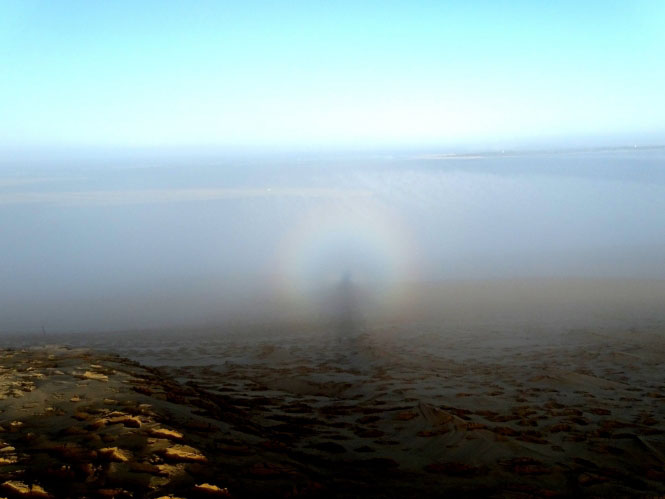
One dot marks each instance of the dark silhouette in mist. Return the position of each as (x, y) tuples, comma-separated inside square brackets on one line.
[(345, 308), (352, 345)]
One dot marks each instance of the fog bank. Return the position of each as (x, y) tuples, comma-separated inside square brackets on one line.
[(175, 243)]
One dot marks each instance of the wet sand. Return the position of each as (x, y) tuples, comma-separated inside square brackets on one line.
[(381, 413)]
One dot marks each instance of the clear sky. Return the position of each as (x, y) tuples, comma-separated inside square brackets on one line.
[(246, 73)]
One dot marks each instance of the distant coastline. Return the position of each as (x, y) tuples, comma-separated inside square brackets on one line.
[(534, 152)]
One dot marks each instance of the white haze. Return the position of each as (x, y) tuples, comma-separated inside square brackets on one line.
[(129, 242)]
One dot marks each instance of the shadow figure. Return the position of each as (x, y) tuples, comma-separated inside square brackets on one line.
[(346, 309), (351, 341)]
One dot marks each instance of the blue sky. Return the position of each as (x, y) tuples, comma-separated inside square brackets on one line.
[(328, 73)]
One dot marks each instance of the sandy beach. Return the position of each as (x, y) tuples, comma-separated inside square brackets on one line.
[(381, 413)]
